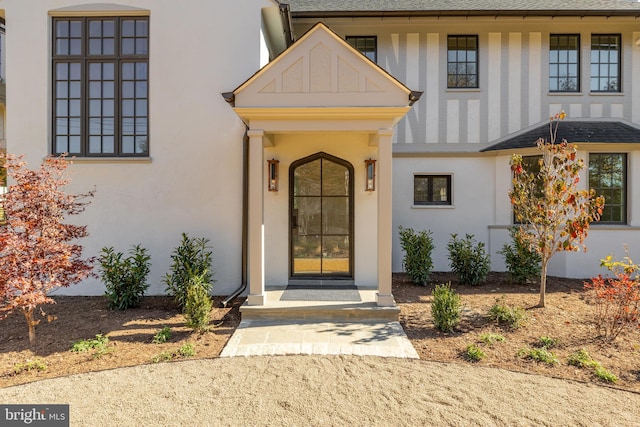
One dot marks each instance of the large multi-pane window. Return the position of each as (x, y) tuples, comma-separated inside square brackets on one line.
[(100, 86), (462, 61), (564, 63), (608, 176), (432, 189), (605, 63), (367, 45)]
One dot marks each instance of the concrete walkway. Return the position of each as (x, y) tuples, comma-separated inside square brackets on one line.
[(260, 337)]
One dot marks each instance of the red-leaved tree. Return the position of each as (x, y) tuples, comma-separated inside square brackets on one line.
[(554, 214), (38, 250)]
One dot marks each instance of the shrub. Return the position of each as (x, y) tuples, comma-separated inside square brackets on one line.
[(198, 304), (124, 278), (187, 350), (538, 355), (523, 262), (32, 365), (501, 313), (490, 338), (162, 336), (582, 359), (469, 260), (191, 259), (165, 356), (474, 353), (417, 247), (99, 344), (616, 300), (446, 308), (548, 342)]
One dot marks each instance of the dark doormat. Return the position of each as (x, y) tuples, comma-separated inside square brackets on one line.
[(294, 293)]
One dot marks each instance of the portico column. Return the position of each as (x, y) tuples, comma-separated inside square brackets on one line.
[(256, 223), (385, 232)]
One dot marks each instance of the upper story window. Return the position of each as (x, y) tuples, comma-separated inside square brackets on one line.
[(432, 189), (367, 45), (564, 63), (605, 63), (462, 61), (608, 176), (100, 86)]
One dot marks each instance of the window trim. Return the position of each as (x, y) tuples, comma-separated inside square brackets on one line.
[(625, 185), (431, 204), (477, 62), (85, 58), (578, 64), (619, 77)]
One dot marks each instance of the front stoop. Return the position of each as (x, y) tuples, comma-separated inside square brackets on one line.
[(363, 311)]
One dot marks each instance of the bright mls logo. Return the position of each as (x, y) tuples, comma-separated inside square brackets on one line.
[(34, 415)]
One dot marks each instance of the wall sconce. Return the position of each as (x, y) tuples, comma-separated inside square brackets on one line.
[(370, 170), (273, 174)]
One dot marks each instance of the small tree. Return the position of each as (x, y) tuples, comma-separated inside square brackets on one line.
[(554, 213), (38, 252)]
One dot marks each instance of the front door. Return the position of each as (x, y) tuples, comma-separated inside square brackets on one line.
[(321, 217)]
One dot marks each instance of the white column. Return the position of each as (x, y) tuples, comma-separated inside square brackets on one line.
[(256, 223), (385, 232)]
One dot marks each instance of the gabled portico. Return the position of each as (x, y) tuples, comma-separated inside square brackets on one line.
[(318, 116)]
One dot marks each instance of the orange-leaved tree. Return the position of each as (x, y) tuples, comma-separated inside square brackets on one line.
[(554, 214), (39, 252)]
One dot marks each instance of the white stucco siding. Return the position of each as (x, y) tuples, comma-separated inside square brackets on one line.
[(352, 147), (473, 194), (193, 181)]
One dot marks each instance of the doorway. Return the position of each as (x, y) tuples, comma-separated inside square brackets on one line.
[(321, 218)]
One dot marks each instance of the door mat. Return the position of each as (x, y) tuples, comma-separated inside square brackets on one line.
[(305, 294)]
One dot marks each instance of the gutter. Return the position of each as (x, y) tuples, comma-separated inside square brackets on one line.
[(245, 218), (462, 13)]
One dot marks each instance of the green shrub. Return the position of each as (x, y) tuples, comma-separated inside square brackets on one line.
[(474, 353), (32, 365), (191, 259), (490, 338), (187, 350), (469, 260), (446, 307), (582, 359), (538, 355), (165, 356), (502, 314), (124, 278), (417, 247), (198, 304), (523, 263), (99, 342), (162, 336), (548, 342)]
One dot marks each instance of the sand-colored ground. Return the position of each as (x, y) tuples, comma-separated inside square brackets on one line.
[(327, 391)]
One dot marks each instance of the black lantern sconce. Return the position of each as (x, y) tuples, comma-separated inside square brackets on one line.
[(370, 170), (273, 174)]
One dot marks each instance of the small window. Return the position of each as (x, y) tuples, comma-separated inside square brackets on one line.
[(564, 63), (462, 62), (367, 45), (432, 190), (605, 63), (608, 176)]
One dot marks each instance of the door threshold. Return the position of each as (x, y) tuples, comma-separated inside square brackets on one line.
[(322, 284)]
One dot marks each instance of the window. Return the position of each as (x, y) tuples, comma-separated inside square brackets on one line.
[(564, 63), (605, 63), (100, 86), (462, 61), (608, 176), (367, 45), (432, 190)]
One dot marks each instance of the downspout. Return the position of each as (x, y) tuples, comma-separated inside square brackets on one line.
[(245, 206), (285, 15)]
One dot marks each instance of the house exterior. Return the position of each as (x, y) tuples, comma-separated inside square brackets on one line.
[(298, 137)]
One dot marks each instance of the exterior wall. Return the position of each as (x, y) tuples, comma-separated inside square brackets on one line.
[(192, 181), (513, 75), (352, 147)]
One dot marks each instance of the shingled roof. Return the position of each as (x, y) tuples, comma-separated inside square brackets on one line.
[(574, 132), (350, 8)]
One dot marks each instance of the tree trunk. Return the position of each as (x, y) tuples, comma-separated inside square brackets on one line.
[(543, 283), (28, 314)]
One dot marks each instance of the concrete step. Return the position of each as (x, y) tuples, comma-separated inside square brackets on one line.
[(360, 312)]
